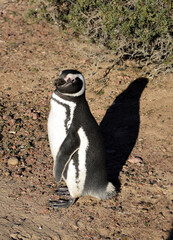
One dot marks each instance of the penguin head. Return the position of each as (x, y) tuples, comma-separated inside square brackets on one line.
[(70, 83)]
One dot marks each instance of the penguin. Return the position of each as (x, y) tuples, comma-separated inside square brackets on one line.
[(76, 143)]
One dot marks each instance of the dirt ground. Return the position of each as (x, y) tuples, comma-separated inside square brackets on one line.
[(135, 116)]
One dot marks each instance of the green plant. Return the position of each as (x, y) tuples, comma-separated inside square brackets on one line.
[(140, 29)]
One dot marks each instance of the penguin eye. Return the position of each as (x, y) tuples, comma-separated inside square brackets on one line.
[(69, 80)]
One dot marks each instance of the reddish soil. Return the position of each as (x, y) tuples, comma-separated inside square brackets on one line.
[(136, 121)]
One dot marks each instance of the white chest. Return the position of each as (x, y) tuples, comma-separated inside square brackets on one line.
[(59, 121)]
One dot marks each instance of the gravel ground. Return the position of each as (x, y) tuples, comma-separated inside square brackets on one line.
[(135, 116)]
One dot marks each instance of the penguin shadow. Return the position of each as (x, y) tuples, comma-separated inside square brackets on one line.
[(170, 235), (120, 128)]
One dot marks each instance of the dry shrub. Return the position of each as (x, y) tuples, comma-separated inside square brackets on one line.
[(140, 29)]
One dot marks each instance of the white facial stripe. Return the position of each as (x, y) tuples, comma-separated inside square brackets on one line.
[(73, 76), (59, 99), (71, 104)]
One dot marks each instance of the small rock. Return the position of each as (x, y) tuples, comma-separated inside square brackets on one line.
[(124, 237), (28, 168), (89, 219), (7, 173), (5, 117), (135, 160), (12, 132), (13, 161), (11, 122), (103, 231), (74, 226), (35, 115), (145, 210), (45, 210), (80, 224), (13, 236)]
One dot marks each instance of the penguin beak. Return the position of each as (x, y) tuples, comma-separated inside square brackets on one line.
[(59, 82)]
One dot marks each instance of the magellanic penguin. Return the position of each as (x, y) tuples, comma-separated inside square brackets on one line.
[(76, 142)]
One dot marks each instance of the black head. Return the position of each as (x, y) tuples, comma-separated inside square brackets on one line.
[(70, 83)]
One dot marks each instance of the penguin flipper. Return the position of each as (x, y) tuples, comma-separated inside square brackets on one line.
[(67, 149)]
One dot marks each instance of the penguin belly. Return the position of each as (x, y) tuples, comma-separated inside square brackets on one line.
[(56, 127), (77, 171)]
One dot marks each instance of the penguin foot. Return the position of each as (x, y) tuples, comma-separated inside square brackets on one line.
[(62, 191), (62, 203)]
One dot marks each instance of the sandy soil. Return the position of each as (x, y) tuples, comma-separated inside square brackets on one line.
[(136, 120)]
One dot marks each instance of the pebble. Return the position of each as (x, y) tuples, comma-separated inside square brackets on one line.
[(35, 116), (28, 168), (12, 132), (7, 173), (135, 160), (74, 226), (45, 210), (80, 224), (145, 210), (13, 236), (123, 237), (13, 161), (11, 122)]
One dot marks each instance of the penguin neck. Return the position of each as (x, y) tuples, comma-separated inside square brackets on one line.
[(69, 98)]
